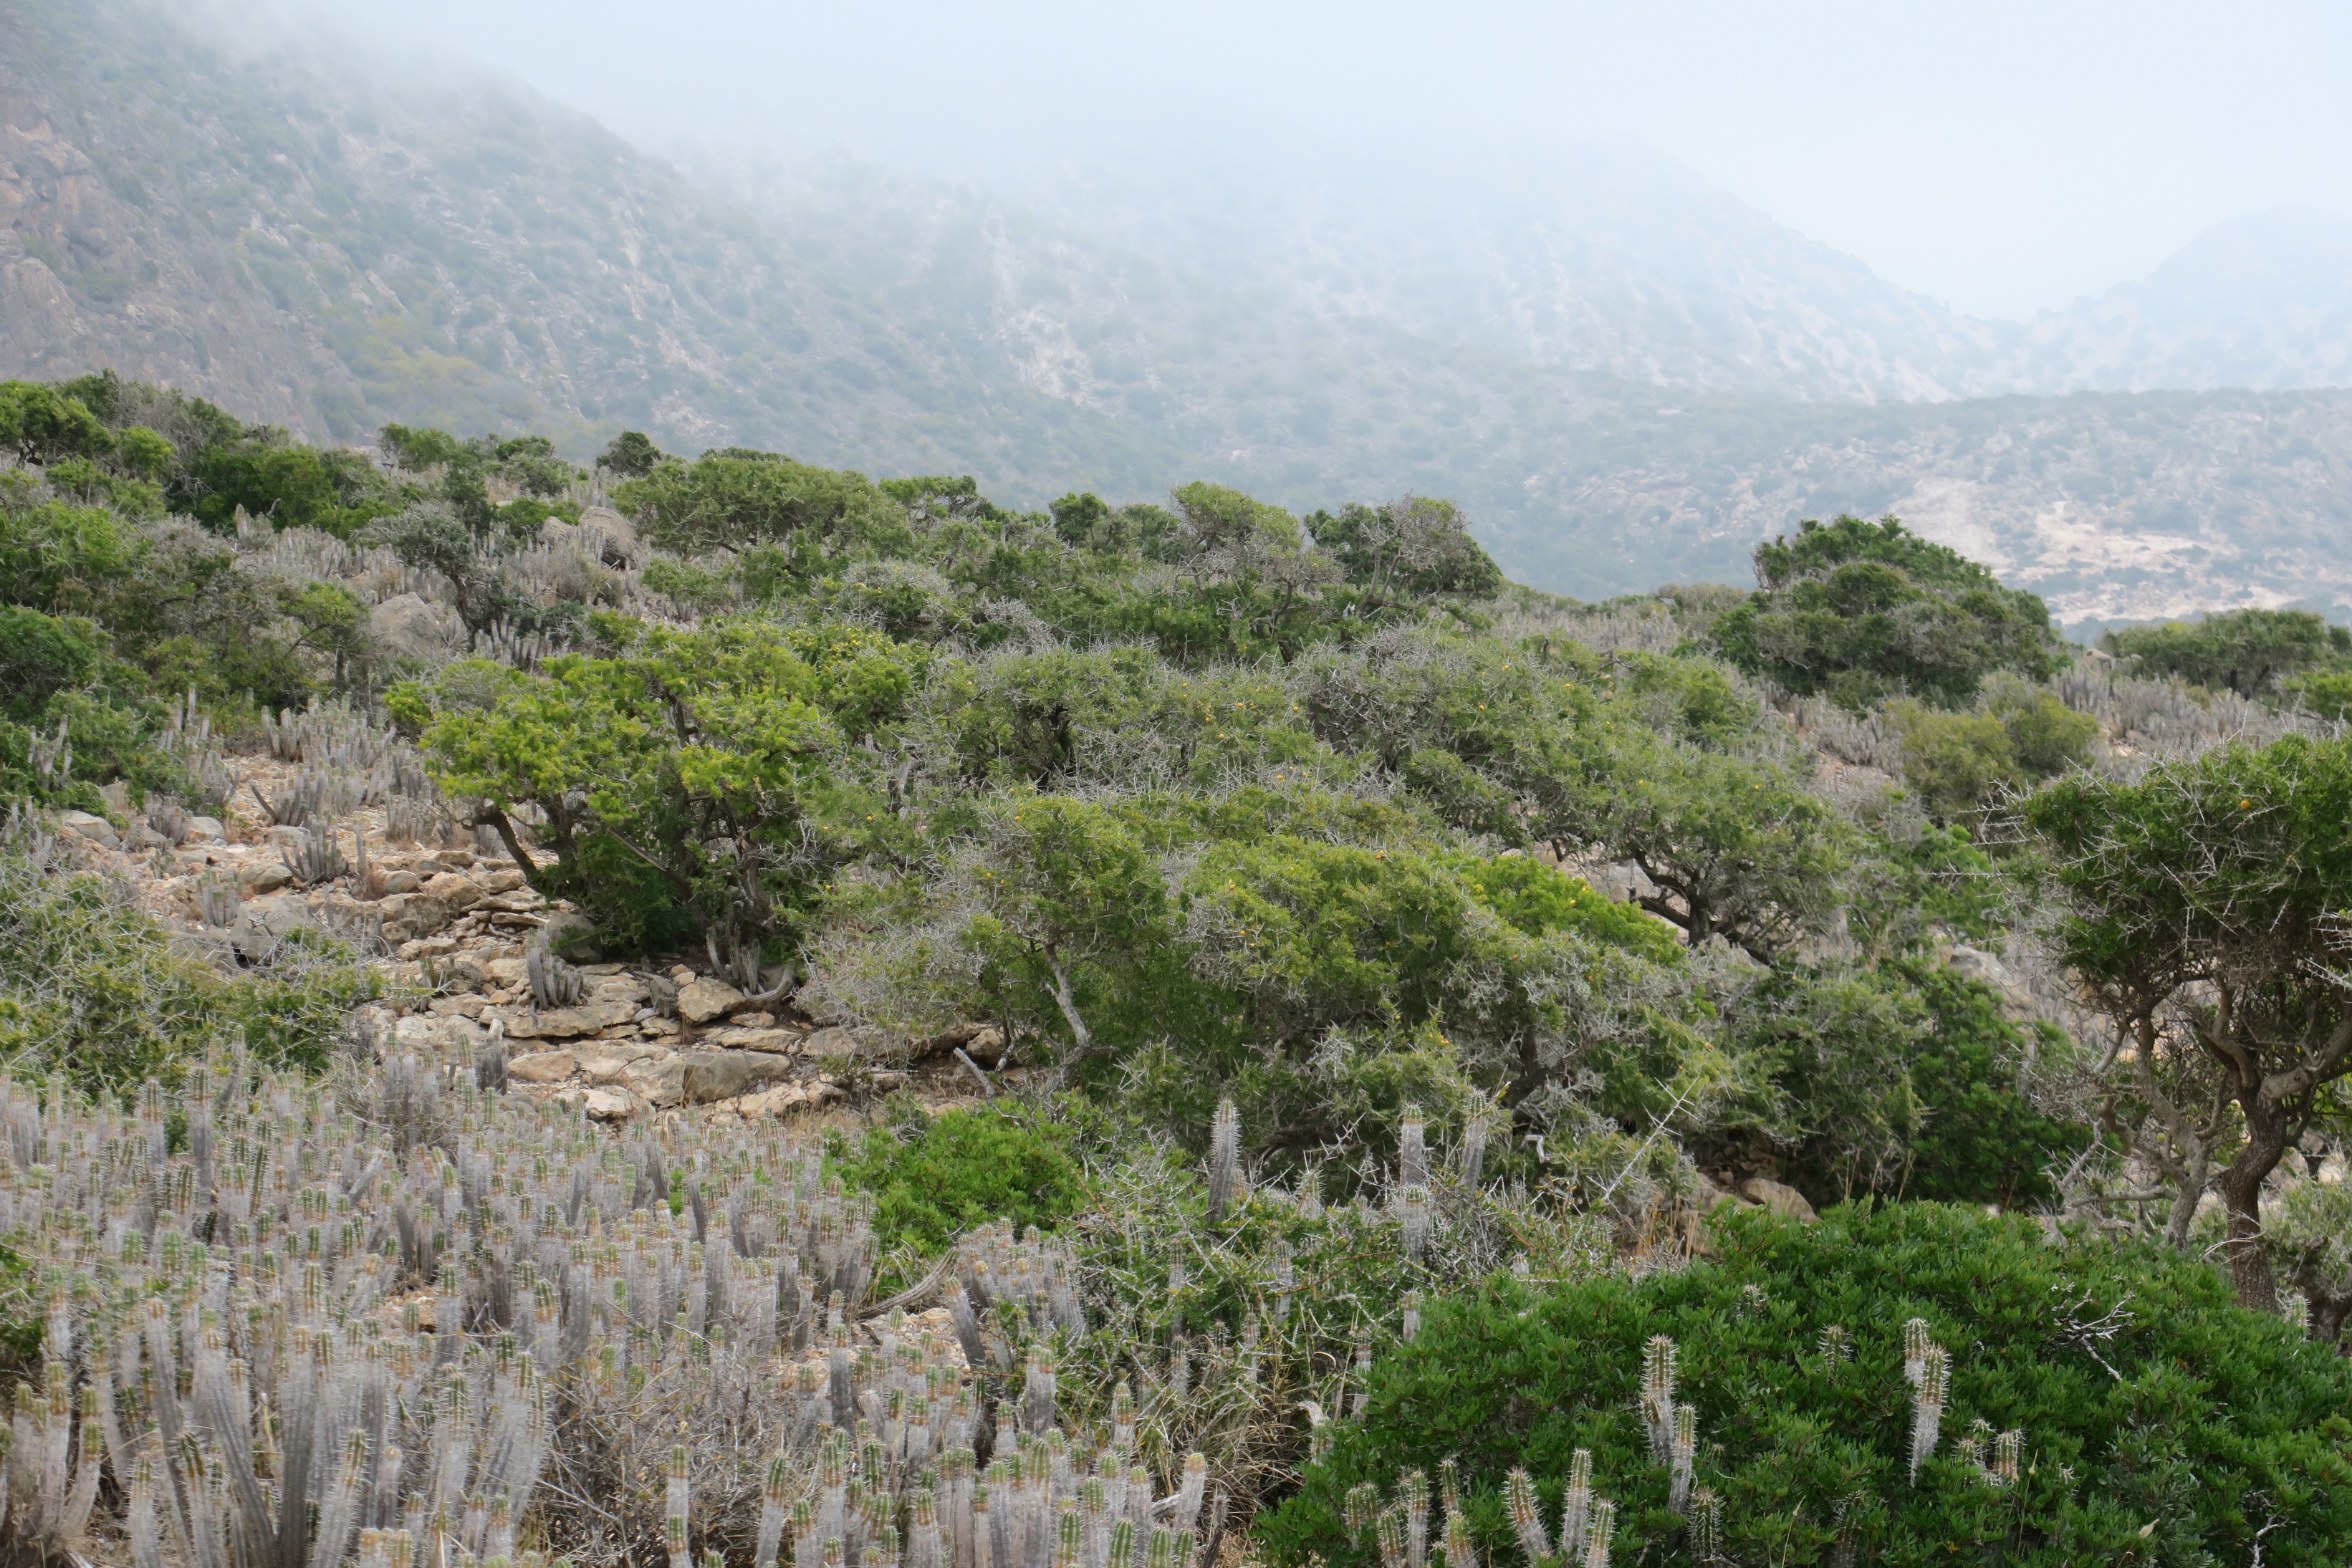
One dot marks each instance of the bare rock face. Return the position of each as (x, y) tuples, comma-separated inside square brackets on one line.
[(263, 876), (713, 1075), (787, 1098), (543, 1067), (607, 1060), (659, 1081), (777, 1041), (265, 922), (704, 999), (1778, 1198), (834, 1041), (571, 1023), (97, 829), (611, 1104)]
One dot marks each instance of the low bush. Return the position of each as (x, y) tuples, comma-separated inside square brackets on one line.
[(932, 1178), (91, 987), (2153, 1421)]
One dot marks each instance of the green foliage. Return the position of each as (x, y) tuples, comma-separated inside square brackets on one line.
[(2202, 908), (1903, 1081), (145, 453), (2157, 1423), (1410, 549), (41, 424), (91, 987), (1955, 762), (690, 779), (1856, 610), (284, 485), (2247, 651), (933, 1178), (2046, 737), (41, 656), (54, 555), (1739, 848), (632, 455), (1539, 899), (2329, 694), (738, 501)]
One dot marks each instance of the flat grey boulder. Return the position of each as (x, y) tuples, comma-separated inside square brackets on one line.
[(265, 924), (713, 1075), (97, 829)]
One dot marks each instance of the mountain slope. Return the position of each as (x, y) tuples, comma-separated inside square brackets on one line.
[(309, 242), (2260, 301), (1589, 258), (309, 246)]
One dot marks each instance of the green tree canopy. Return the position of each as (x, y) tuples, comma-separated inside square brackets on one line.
[(1856, 610), (2249, 651), (738, 500), (42, 424), (2205, 907), (1412, 548), (685, 780)]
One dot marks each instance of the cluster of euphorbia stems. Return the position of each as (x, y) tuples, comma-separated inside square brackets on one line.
[(413, 1322)]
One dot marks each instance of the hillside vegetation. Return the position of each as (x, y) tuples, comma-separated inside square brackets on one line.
[(296, 233), (827, 1017)]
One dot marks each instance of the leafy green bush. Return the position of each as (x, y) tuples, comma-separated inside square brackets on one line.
[(1857, 610), (2246, 651), (691, 782), (934, 1178), (738, 500), (1903, 1080), (2157, 1423), (91, 987)]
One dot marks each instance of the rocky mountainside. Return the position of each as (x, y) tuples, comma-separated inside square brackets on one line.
[(1603, 259), (309, 245), (2261, 301), (2113, 507), (1625, 377)]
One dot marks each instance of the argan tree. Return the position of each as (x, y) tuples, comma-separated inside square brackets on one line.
[(2205, 908)]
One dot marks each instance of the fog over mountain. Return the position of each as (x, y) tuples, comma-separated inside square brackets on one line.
[(1625, 374)]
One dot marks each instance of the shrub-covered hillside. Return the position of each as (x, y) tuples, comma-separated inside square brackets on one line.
[(725, 1006)]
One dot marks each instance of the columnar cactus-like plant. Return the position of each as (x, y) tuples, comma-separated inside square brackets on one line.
[(1600, 1532), (1526, 1516), (1575, 1506), (1927, 1397), (1225, 1158), (1658, 1396), (1683, 1451), (316, 1328)]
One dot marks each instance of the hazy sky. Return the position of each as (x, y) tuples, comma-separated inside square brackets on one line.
[(2002, 157)]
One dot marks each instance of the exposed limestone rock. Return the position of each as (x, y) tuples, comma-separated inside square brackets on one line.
[(705, 998), (1778, 1198)]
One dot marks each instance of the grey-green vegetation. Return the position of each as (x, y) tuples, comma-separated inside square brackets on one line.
[(325, 247), (1393, 971)]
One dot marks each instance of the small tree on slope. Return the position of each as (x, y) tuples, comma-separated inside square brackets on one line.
[(2206, 909)]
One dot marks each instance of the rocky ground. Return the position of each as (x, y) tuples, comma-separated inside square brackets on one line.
[(452, 926)]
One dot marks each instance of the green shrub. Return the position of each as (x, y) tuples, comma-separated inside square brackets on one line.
[(2247, 651), (1955, 762), (1540, 899), (91, 985), (934, 1178), (2159, 1423), (1856, 610), (1903, 1080), (2328, 695)]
